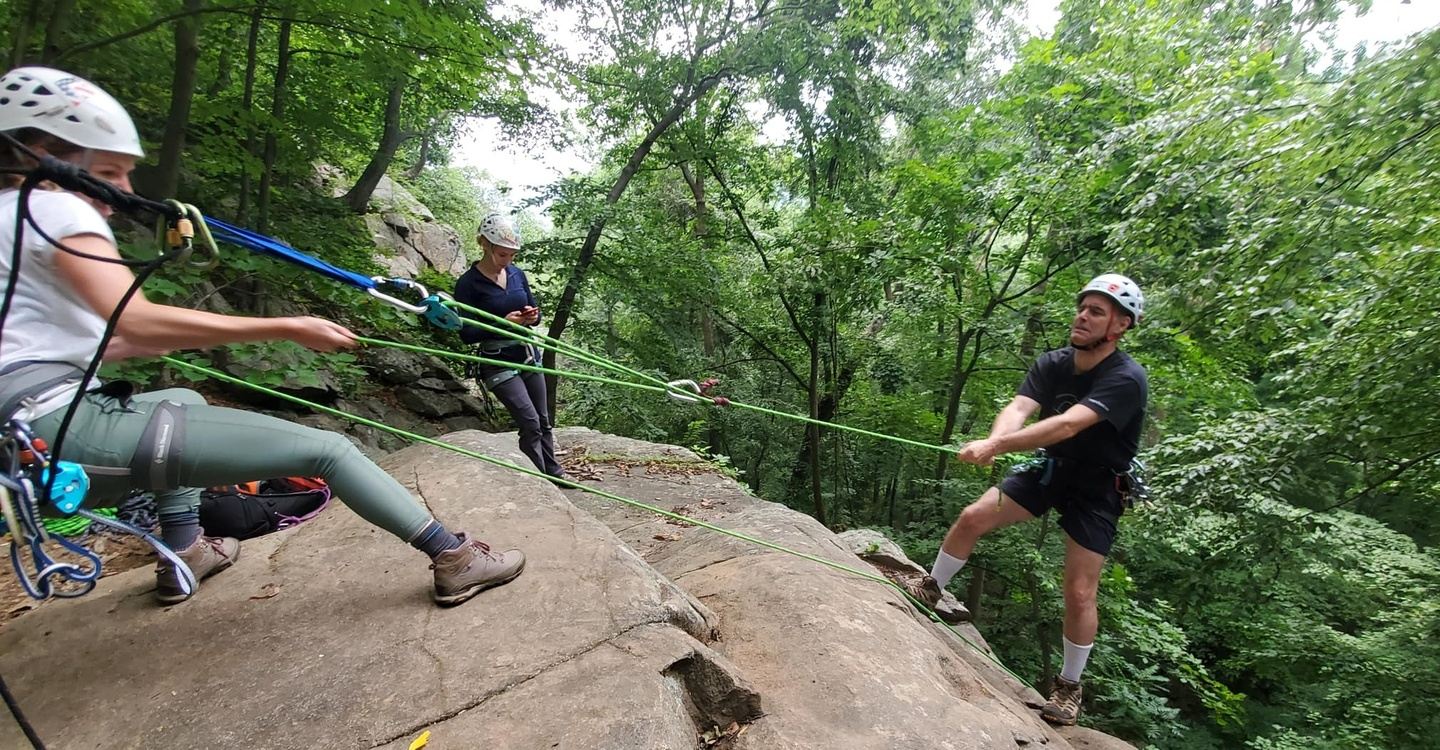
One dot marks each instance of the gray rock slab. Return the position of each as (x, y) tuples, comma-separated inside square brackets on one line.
[(1084, 738), (638, 711), (842, 661), (324, 635)]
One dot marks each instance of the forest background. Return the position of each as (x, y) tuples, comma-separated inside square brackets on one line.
[(894, 261)]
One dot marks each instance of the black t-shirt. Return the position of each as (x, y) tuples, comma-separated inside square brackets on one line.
[(1116, 389)]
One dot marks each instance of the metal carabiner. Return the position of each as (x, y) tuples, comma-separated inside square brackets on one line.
[(674, 392), (209, 251), (375, 292)]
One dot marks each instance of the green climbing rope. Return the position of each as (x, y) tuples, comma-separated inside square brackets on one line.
[(601, 493), (526, 335), (66, 525)]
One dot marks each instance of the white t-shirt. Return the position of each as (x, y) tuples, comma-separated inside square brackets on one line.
[(47, 321)]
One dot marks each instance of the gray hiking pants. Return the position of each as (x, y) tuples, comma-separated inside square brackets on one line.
[(213, 445), (525, 397)]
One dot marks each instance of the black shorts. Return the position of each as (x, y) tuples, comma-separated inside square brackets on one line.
[(1089, 506)]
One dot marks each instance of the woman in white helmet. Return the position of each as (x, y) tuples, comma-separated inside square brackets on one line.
[(1090, 401), (59, 304), (494, 284)]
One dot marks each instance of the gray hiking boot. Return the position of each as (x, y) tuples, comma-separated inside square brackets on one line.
[(471, 568), (1064, 704), (928, 591), (206, 556)]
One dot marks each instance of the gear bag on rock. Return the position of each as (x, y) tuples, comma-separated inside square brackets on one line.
[(252, 509)]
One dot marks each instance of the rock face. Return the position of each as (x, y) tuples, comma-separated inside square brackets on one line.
[(626, 631), (324, 636), (408, 236), (838, 660)]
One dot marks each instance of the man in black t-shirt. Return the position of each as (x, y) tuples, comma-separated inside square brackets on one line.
[(1090, 399)]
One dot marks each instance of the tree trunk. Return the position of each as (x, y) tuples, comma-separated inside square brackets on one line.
[(166, 182), (958, 380), (224, 76), (29, 19), (247, 102), (561, 316), (413, 173), (60, 14), (1034, 325), (701, 230), (817, 499), (358, 199), (891, 491), (1044, 630), (277, 114), (976, 591)]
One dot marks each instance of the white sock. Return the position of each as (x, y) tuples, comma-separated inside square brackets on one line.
[(1075, 658), (945, 568)]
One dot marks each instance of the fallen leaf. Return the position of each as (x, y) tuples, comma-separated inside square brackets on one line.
[(267, 591)]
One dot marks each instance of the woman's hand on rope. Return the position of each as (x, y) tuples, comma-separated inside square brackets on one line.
[(320, 334)]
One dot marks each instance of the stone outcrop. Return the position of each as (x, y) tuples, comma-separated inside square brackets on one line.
[(627, 630), (407, 235)]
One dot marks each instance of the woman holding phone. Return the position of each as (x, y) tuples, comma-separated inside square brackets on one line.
[(494, 284)]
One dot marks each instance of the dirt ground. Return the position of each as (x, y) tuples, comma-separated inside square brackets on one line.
[(118, 553)]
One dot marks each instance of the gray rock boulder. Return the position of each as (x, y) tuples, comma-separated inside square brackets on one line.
[(408, 235), (649, 634), (841, 661), (324, 636)]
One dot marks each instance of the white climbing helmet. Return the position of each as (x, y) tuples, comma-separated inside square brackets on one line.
[(66, 106), (500, 231), (1125, 292)]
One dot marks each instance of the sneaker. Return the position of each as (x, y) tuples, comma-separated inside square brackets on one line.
[(928, 591), (1064, 704), (206, 556), (472, 567)]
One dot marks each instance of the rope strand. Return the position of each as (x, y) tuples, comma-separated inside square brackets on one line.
[(599, 492)]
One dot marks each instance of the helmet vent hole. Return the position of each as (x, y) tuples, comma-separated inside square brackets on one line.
[(42, 91), (4, 100), (29, 103), (13, 87), (72, 118)]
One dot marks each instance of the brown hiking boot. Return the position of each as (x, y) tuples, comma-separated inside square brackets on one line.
[(1064, 704), (471, 568), (928, 591), (206, 556)]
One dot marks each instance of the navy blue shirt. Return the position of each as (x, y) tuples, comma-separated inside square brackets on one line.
[(1116, 389), (477, 290)]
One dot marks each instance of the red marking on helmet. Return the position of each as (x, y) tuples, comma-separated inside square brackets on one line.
[(1114, 287)]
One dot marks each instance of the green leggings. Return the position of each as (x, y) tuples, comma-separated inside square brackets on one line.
[(220, 446)]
